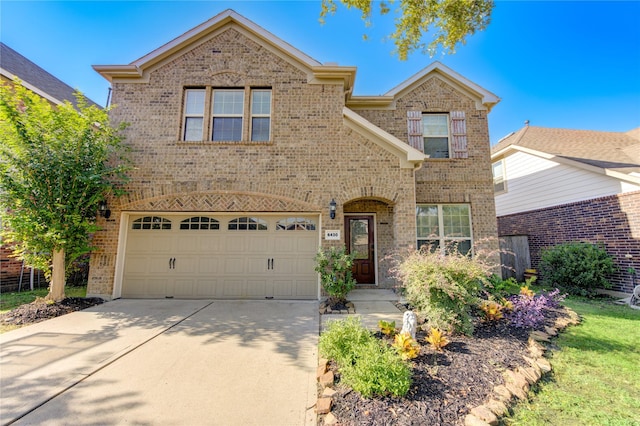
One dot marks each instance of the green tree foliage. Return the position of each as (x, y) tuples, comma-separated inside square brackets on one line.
[(577, 268), (57, 163), (450, 20)]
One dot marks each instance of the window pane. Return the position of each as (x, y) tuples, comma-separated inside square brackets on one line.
[(227, 129), (456, 221), (427, 221), (431, 245), (228, 102), (194, 102), (436, 147), (260, 129), (193, 129), (261, 102), (435, 125)]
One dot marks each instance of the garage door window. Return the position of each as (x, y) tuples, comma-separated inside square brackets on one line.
[(200, 222), (151, 223), (247, 224), (295, 224)]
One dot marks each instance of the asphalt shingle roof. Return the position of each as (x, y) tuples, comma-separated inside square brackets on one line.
[(29, 72), (610, 150)]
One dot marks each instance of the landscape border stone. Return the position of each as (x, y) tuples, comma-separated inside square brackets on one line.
[(517, 382)]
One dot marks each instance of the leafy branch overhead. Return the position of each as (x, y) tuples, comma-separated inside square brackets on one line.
[(451, 21)]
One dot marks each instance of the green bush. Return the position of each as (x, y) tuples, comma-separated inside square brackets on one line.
[(502, 287), (341, 340), (576, 268), (378, 370), (443, 288), (334, 266), (367, 365)]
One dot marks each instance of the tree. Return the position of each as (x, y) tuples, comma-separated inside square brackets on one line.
[(57, 164), (452, 20)]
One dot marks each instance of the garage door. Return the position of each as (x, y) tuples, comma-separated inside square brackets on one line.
[(221, 256)]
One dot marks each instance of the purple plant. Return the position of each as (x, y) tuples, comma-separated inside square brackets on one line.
[(553, 298), (528, 311)]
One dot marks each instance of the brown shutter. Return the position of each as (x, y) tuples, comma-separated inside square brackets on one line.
[(414, 130), (458, 135)]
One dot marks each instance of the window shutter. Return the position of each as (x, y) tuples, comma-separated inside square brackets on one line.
[(414, 130), (459, 135)]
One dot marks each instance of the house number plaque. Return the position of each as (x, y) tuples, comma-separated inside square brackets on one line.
[(332, 235)]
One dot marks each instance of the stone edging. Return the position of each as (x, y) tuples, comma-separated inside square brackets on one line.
[(516, 387)]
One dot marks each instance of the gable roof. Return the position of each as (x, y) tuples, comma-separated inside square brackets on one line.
[(613, 153), (13, 65), (138, 69), (484, 98)]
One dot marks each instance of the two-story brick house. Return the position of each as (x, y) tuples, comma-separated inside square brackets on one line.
[(249, 155)]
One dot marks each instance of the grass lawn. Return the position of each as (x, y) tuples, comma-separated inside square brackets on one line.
[(596, 371), (9, 301)]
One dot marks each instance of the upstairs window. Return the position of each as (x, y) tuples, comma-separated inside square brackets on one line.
[(438, 135), (235, 114), (435, 129), (228, 106), (193, 114), (499, 182), (260, 115)]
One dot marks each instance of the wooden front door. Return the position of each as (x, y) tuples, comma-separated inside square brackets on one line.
[(360, 241)]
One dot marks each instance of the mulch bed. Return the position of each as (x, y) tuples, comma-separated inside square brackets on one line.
[(446, 385), (41, 310)]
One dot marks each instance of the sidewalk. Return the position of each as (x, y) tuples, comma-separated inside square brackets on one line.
[(371, 305)]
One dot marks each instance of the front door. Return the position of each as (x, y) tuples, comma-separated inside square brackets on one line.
[(360, 241)]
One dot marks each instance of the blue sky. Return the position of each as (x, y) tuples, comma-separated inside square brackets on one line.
[(573, 64)]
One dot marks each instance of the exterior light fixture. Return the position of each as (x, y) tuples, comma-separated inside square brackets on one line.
[(103, 210), (332, 209)]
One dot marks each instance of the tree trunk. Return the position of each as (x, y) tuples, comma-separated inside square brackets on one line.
[(56, 289)]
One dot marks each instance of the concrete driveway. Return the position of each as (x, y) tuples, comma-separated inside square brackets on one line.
[(164, 362)]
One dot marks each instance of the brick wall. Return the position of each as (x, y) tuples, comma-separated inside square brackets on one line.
[(613, 221), (312, 156)]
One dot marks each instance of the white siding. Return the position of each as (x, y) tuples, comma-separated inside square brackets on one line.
[(534, 183)]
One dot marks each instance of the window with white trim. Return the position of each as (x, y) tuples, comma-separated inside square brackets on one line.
[(444, 227), (260, 115), (499, 180), (236, 114), (193, 114), (435, 128), (151, 223)]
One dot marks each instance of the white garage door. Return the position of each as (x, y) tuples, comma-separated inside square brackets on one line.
[(221, 256)]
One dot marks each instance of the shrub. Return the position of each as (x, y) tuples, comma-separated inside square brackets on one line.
[(387, 328), (367, 365), (334, 266), (576, 268), (341, 341), (491, 310), (502, 287), (378, 370), (443, 288)]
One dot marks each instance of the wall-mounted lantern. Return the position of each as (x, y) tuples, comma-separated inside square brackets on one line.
[(332, 209), (104, 210)]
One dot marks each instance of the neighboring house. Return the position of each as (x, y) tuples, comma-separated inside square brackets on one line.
[(558, 185), (250, 155), (15, 66)]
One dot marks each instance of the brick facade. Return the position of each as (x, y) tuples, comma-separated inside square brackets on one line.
[(311, 158), (613, 221)]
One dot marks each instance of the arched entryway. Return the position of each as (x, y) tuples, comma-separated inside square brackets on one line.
[(368, 225)]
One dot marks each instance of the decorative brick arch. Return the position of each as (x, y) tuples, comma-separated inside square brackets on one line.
[(220, 201)]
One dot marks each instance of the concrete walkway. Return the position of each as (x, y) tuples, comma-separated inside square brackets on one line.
[(371, 305), (164, 362)]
